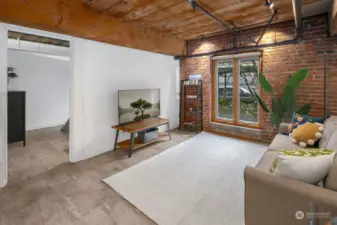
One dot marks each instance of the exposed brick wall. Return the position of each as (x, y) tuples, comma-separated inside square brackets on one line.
[(278, 64)]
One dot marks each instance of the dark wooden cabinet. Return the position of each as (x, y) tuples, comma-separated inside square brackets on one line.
[(17, 116)]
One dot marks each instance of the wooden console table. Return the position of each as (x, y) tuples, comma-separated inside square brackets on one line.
[(138, 126)]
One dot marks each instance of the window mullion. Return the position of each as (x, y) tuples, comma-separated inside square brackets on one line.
[(235, 91)]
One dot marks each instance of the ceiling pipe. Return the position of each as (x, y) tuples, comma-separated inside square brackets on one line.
[(266, 26), (297, 8), (195, 5), (225, 32), (296, 40)]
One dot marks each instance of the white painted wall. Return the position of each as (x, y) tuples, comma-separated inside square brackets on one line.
[(46, 80), (97, 71), (100, 70)]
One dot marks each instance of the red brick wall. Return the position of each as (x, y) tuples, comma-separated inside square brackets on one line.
[(278, 63)]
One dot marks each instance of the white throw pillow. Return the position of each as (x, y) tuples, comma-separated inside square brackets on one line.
[(306, 165)]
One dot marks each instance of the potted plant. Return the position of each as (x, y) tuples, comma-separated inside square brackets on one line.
[(11, 74), (282, 107)]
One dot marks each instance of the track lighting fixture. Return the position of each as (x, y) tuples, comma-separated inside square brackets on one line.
[(192, 3), (269, 4)]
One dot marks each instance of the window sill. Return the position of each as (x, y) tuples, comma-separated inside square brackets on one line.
[(238, 124), (254, 133)]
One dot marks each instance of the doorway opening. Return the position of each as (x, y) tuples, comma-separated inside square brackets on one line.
[(38, 103)]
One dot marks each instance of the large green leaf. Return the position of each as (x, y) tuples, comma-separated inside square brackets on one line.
[(265, 84), (246, 81), (288, 100), (295, 80), (261, 103), (275, 119), (305, 109), (277, 107)]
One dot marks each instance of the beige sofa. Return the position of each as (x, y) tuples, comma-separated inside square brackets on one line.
[(272, 200)]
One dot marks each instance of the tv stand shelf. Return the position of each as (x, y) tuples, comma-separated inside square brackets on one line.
[(138, 126), (137, 144)]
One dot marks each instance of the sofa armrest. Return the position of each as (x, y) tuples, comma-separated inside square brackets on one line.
[(284, 128), (275, 200)]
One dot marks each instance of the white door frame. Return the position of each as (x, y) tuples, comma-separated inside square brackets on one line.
[(3, 106), (4, 28)]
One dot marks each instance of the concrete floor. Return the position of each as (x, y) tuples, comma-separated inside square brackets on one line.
[(44, 188)]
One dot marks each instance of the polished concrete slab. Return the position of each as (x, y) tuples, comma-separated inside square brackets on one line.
[(44, 188)]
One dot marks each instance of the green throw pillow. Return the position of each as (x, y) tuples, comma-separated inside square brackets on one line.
[(306, 165), (299, 119)]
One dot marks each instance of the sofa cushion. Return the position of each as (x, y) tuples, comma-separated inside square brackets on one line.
[(306, 165), (282, 142), (266, 161), (331, 180), (330, 126), (332, 144)]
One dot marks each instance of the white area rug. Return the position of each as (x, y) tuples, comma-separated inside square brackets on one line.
[(199, 181)]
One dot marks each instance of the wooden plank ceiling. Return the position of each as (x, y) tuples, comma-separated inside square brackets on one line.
[(72, 18), (176, 17), (333, 18), (152, 25)]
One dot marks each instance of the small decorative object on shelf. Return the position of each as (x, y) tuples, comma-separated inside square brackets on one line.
[(191, 105)]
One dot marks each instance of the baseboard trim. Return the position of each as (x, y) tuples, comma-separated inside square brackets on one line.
[(45, 126), (224, 134)]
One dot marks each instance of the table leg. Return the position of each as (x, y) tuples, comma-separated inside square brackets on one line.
[(116, 139), (132, 139), (169, 131)]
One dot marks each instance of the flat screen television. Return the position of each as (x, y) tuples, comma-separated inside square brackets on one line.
[(136, 105)]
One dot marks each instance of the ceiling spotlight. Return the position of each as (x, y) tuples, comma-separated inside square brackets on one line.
[(269, 4), (192, 3)]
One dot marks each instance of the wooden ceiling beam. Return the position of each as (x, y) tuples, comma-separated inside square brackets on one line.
[(73, 18)]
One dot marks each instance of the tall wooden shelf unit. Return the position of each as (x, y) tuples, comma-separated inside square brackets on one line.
[(191, 105)]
